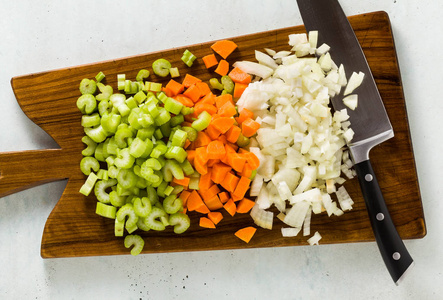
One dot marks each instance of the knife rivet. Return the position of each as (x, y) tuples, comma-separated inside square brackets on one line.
[(396, 256), (368, 177), (380, 217)]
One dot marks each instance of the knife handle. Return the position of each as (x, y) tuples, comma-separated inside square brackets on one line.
[(391, 246)]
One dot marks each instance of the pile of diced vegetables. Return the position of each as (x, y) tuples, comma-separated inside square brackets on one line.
[(257, 135)]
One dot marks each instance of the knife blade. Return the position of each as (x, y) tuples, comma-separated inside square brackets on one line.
[(369, 121)]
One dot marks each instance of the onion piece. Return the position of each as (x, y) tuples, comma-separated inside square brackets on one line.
[(314, 239), (254, 68), (354, 82)]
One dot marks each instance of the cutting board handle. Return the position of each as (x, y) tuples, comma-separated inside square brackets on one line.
[(25, 169)]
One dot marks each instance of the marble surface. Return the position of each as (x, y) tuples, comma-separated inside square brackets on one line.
[(46, 35)]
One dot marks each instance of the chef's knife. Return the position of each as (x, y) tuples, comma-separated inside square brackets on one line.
[(369, 121)]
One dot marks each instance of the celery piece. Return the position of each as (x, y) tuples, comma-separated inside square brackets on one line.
[(141, 184), (131, 102), (187, 168), (106, 92), (89, 184), (113, 172), (155, 179), (111, 146), (177, 120), (104, 210), (123, 109), (166, 129), (162, 97), (177, 190), (124, 159), (179, 138), (87, 86), (151, 220), (132, 228), (188, 58), (90, 120), (187, 110), (142, 206), (146, 120), (98, 154), (116, 200), (128, 86), (161, 67), (102, 174), (140, 97), (136, 241), (148, 150), (91, 145), (228, 84), (180, 221), (172, 169), (121, 77), (138, 147), (152, 109), (173, 106), (145, 133), (110, 159), (121, 136), (104, 107), (174, 72), (159, 150), (119, 227), (122, 191), (141, 224), (121, 85), (86, 103), (191, 133), (242, 141), (163, 117), (87, 163), (100, 189), (134, 117), (152, 163), (100, 76), (215, 84), (172, 204), (97, 134), (127, 178), (110, 122), (161, 189), (177, 153), (127, 210), (203, 120), (142, 74), (193, 183), (152, 195), (135, 87)]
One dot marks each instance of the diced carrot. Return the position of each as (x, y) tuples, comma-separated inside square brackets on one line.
[(236, 161), (247, 170), (230, 182), (219, 172), (241, 188), (184, 195), (246, 234), (222, 68), (210, 61), (222, 138), (175, 87), (223, 123), (249, 127), (215, 216), (230, 207), (208, 99), (202, 139), (252, 160), (222, 99), (184, 182), (212, 132), (205, 181), (203, 209), (243, 115), (167, 91), (227, 110), (190, 80), (212, 162), (215, 150), (206, 223), (187, 144), (239, 88), (210, 192), (213, 203), (200, 165), (191, 156), (200, 107), (193, 92), (203, 87), (233, 133), (223, 196), (224, 48), (234, 146), (184, 100), (238, 75), (194, 201), (245, 205)]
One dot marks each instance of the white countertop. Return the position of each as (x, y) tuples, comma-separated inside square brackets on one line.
[(45, 35)]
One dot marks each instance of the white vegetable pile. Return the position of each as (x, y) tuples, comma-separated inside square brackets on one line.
[(300, 143)]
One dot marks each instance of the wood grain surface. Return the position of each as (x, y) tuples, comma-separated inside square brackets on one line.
[(73, 228)]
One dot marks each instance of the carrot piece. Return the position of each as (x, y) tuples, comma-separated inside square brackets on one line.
[(184, 182), (241, 188), (224, 48), (200, 107), (239, 88), (206, 223), (227, 110), (200, 165), (191, 156), (210, 192), (193, 92), (194, 201), (212, 162), (222, 68), (223, 124), (238, 75), (247, 170), (236, 161), (222, 138), (252, 160), (230, 182), (184, 196), (208, 99), (202, 139), (187, 144), (245, 205), (190, 80), (223, 196), (210, 61), (167, 91), (222, 99), (215, 150), (215, 216), (230, 207), (184, 100), (249, 127), (213, 203), (233, 133), (219, 171), (246, 234), (203, 87), (243, 115), (175, 87), (212, 132), (203, 209), (205, 181)]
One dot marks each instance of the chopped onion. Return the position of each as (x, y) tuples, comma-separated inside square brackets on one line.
[(254, 68), (290, 231), (354, 82), (314, 239), (351, 101)]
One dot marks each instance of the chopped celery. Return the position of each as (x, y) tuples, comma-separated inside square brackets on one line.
[(188, 58), (187, 168), (91, 145), (172, 169), (142, 206), (127, 210), (178, 138), (215, 84), (136, 241), (131, 102), (142, 74), (87, 86), (100, 76), (89, 184), (100, 189), (119, 227), (90, 120), (228, 84), (242, 141), (110, 122), (193, 183), (174, 72), (116, 200), (173, 106), (151, 220), (104, 210), (177, 153), (172, 204), (87, 163), (127, 178), (138, 147), (191, 133), (124, 159), (177, 120), (86, 103), (161, 67), (203, 120), (180, 221)]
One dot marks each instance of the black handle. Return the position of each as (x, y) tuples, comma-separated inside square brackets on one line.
[(392, 248)]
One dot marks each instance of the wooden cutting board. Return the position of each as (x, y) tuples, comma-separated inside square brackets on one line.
[(73, 228)]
